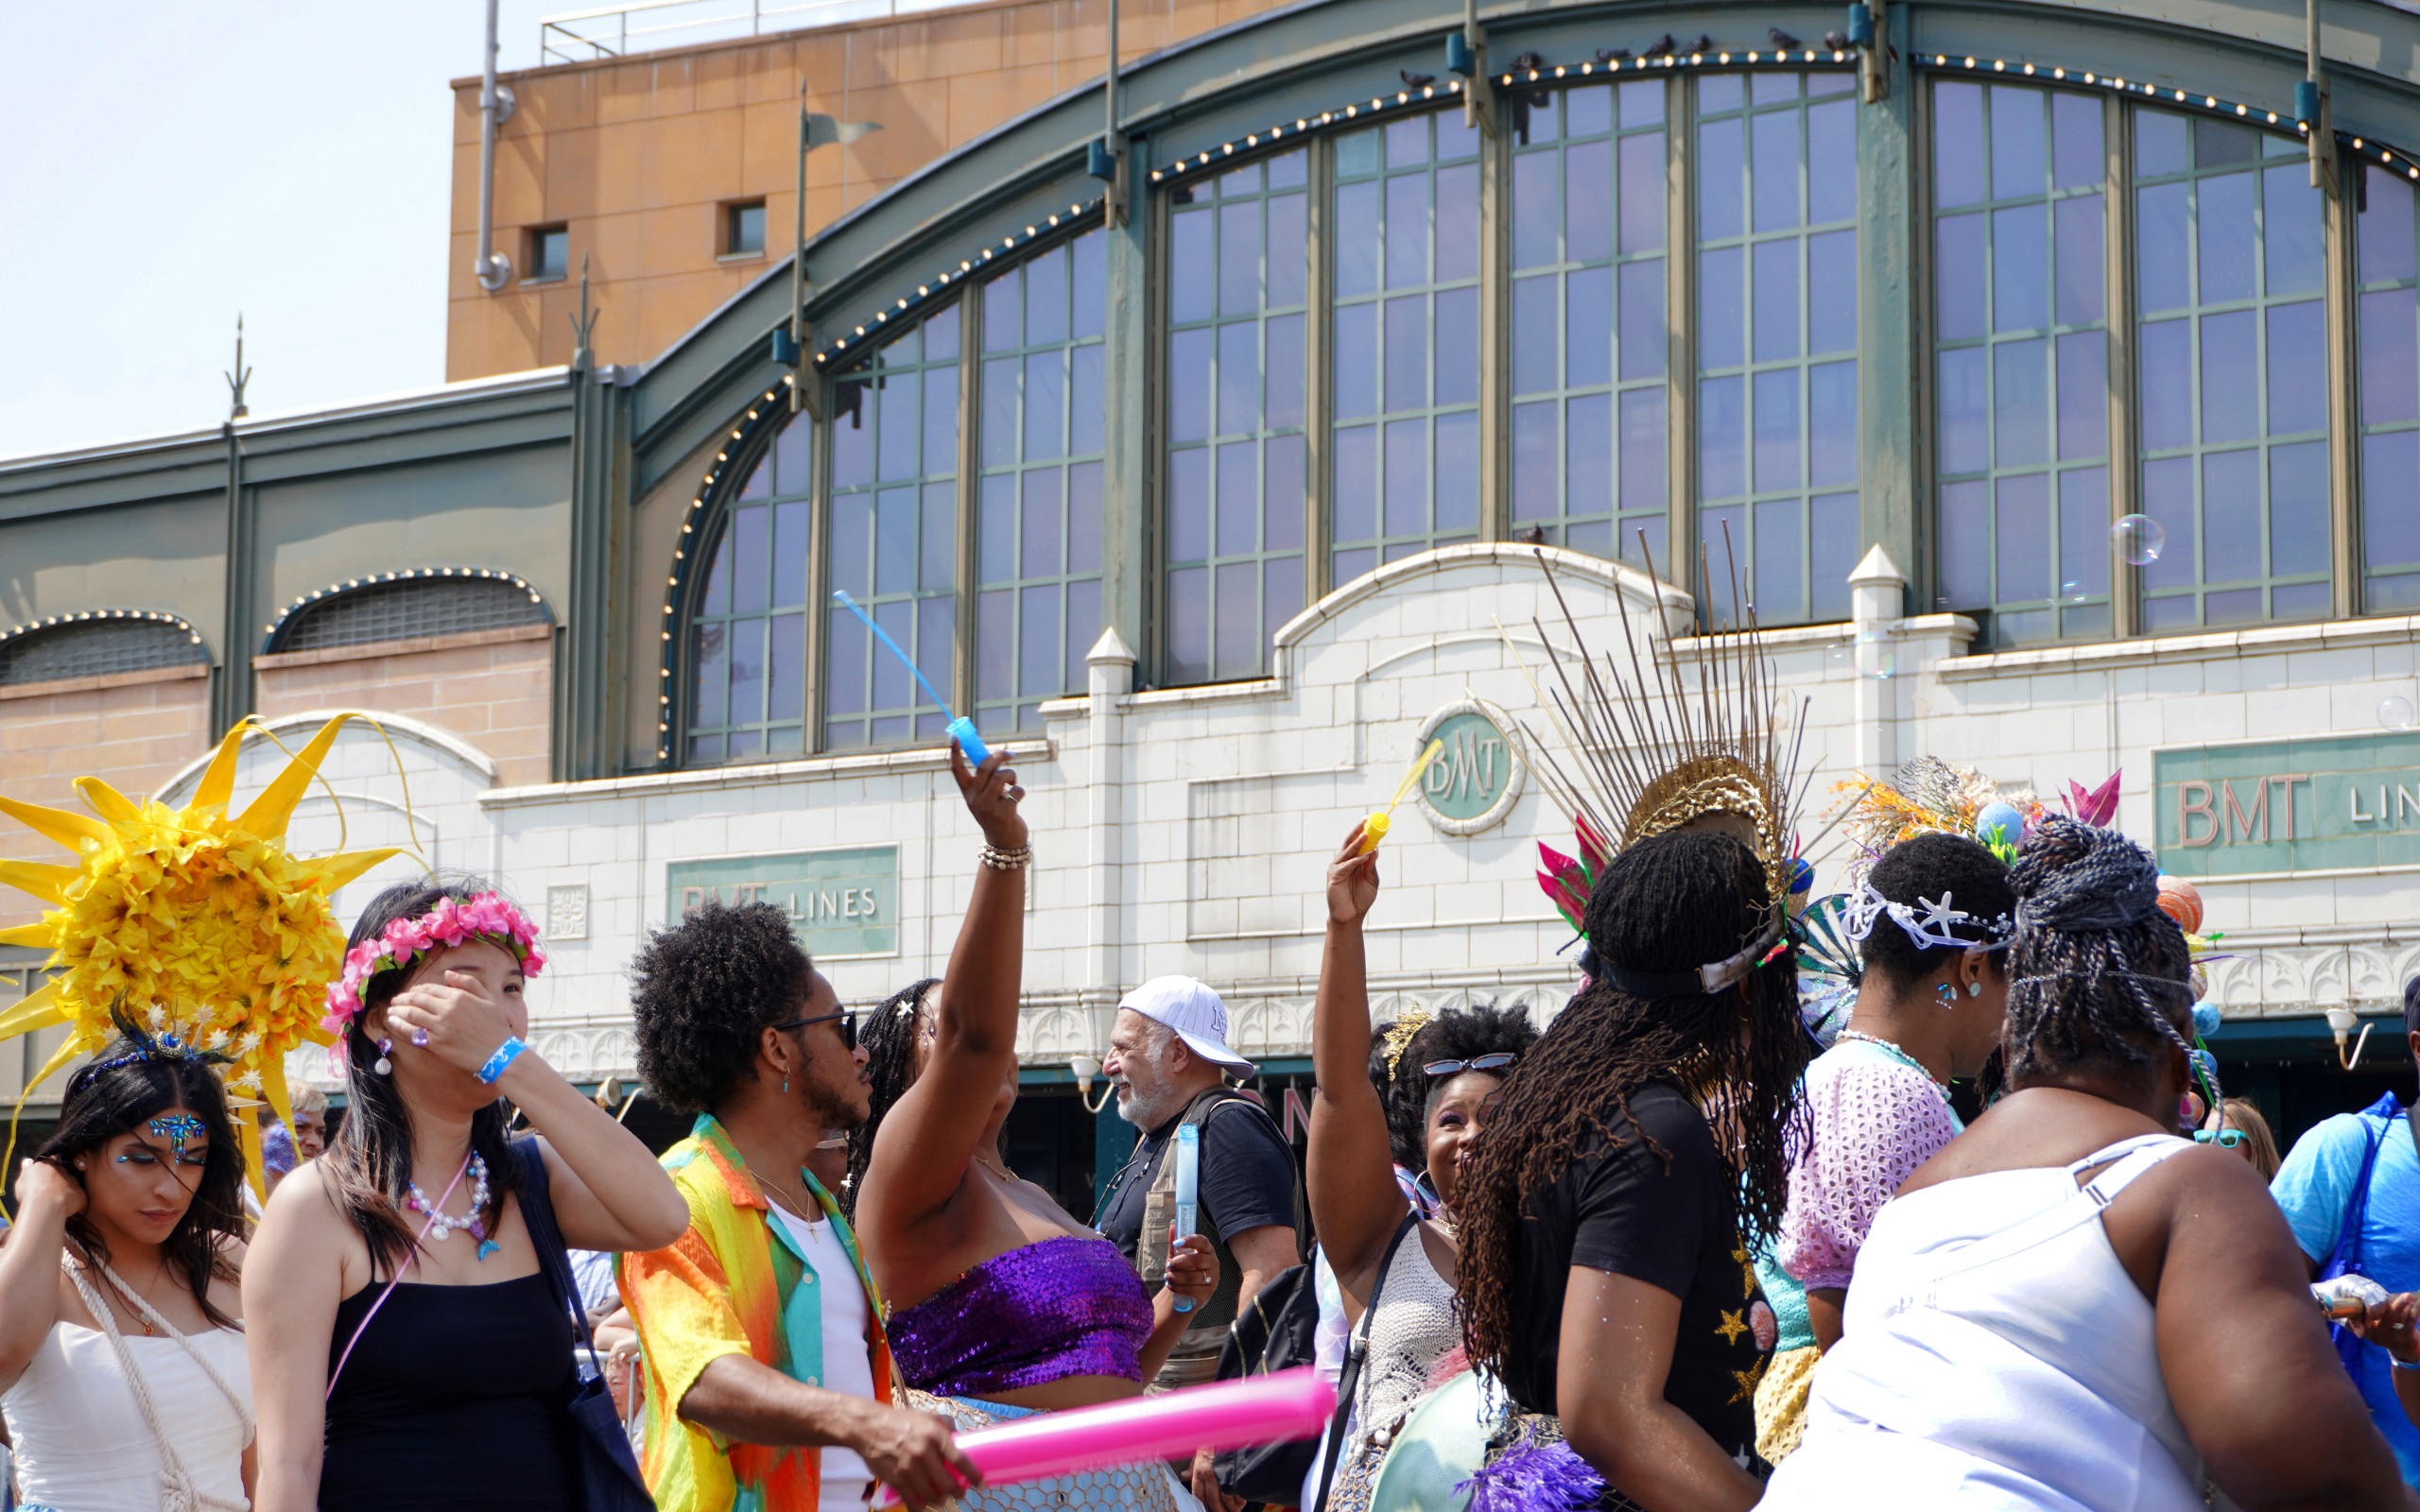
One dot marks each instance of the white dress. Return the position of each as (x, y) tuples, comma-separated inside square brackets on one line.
[(1996, 1357), (82, 1440)]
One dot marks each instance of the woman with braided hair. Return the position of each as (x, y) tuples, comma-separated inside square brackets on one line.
[(1634, 1160), (895, 1037), (2070, 1306)]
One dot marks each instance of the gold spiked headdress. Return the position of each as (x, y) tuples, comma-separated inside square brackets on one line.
[(198, 921)]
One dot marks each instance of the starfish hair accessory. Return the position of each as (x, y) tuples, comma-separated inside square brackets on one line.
[(490, 917), (1927, 921)]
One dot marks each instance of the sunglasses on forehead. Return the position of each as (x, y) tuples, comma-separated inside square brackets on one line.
[(847, 1019), (2223, 1138), (1455, 1068)]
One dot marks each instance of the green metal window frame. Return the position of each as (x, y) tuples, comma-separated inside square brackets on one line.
[(2178, 477), (2387, 377), (1040, 456), (1233, 507), (2010, 496), (1791, 500), (1405, 454), (894, 537), (758, 589), (1593, 413)]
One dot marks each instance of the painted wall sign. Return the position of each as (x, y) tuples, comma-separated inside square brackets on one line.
[(2326, 803), (842, 904), (1475, 780)]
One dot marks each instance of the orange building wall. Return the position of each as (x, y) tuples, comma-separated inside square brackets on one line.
[(637, 155), (493, 688), (131, 728)]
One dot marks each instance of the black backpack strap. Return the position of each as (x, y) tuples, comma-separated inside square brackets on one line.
[(1356, 1350), (554, 1258)]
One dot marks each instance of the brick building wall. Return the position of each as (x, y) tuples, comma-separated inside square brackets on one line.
[(493, 688), (131, 728)]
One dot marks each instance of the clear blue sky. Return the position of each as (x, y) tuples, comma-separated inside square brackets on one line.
[(163, 165)]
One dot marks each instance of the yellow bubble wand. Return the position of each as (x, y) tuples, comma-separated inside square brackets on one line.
[(1373, 829)]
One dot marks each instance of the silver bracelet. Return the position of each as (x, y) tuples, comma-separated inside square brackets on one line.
[(999, 860)]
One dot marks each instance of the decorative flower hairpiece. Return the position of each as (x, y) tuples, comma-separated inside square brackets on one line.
[(488, 916), (1928, 923)]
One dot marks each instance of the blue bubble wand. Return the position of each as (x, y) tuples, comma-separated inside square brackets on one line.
[(960, 727)]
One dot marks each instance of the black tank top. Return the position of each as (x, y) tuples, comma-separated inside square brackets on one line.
[(454, 1397)]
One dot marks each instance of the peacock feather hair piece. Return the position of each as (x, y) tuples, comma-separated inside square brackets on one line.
[(197, 920)]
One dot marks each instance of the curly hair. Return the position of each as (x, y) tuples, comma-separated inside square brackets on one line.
[(1667, 903), (887, 1036), (1458, 1034), (705, 991), (2101, 977), (1937, 867)]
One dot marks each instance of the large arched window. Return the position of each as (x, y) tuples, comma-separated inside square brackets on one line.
[(1237, 296), (1039, 526), (1777, 338), (1589, 196), (2231, 378), (747, 634), (2021, 359), (407, 606), (2388, 402), (1406, 340), (894, 537)]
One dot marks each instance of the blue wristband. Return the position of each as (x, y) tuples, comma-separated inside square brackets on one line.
[(503, 1058)]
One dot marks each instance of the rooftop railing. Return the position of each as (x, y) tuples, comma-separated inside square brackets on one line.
[(643, 25)]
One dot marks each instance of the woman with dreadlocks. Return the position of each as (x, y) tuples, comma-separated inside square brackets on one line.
[(2072, 1307), (1636, 1157), (1931, 922)]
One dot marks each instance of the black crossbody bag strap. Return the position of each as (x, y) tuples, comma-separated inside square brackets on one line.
[(1357, 1349)]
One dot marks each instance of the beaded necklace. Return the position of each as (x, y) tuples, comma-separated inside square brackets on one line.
[(443, 1227), (1890, 1048)]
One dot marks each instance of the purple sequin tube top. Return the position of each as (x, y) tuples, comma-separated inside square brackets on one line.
[(1064, 1307)]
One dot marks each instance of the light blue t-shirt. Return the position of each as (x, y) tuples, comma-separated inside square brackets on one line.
[(2314, 1188)]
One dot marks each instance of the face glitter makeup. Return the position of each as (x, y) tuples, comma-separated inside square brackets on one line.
[(177, 1129)]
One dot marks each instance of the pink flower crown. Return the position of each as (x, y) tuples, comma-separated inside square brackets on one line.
[(488, 916)]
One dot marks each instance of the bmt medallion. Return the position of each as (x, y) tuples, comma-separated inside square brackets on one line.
[(1476, 779)]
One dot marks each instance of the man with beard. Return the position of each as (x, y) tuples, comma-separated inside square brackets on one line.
[(768, 1377), (1168, 1059)]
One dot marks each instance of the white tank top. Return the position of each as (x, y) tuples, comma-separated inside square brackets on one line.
[(80, 1440), (1995, 1356)]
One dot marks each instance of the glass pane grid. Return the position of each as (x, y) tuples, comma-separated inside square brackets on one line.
[(1406, 366), (2229, 274), (1237, 301), (2387, 398), (746, 664), (1589, 338), (1038, 513), (1776, 330), (2021, 359), (894, 538)]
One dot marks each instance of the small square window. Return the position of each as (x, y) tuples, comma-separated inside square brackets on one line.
[(549, 255), (743, 229)]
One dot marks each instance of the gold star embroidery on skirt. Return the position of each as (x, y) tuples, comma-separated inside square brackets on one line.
[(1730, 1327)]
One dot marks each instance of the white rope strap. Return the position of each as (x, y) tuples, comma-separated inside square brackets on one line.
[(178, 1492)]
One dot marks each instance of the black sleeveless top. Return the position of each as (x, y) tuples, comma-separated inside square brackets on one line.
[(454, 1397)]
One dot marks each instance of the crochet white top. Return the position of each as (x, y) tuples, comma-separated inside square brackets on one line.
[(82, 1442)]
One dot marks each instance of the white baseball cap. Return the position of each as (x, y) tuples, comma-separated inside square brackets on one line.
[(1194, 1012)]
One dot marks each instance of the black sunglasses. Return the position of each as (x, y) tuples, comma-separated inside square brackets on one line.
[(1455, 1068), (848, 1020)]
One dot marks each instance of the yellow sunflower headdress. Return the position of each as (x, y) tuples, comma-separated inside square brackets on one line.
[(198, 921)]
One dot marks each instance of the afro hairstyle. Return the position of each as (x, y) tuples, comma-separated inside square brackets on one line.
[(1457, 1034), (704, 991)]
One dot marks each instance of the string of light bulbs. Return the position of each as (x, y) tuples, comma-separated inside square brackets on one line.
[(83, 616), (406, 575)]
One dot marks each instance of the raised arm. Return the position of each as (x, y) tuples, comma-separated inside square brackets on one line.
[(1355, 1202), (47, 1196), (921, 1155), (609, 1192)]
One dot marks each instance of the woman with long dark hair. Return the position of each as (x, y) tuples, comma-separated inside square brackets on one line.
[(2072, 1305), (409, 1348), (121, 1345), (1636, 1157)]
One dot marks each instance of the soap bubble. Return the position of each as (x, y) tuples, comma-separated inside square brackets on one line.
[(2073, 592), (2395, 711), (2140, 539), (1877, 656)]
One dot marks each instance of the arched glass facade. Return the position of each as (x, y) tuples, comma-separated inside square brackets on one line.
[(1640, 305)]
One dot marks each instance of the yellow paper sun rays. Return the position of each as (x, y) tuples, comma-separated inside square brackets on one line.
[(197, 922)]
